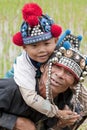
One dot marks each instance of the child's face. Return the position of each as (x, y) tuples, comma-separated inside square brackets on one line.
[(41, 51)]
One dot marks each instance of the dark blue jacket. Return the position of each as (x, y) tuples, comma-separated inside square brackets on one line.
[(12, 105)]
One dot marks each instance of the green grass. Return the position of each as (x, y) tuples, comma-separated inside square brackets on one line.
[(67, 13), (70, 14)]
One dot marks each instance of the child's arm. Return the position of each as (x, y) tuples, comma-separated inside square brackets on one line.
[(24, 76), (38, 103)]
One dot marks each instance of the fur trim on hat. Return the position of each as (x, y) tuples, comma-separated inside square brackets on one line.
[(17, 39), (31, 9), (32, 20), (56, 30)]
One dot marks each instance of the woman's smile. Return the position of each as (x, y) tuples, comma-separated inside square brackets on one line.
[(55, 82)]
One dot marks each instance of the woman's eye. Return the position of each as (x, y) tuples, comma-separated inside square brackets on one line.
[(69, 73)]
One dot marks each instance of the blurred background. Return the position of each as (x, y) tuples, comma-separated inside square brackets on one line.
[(70, 14)]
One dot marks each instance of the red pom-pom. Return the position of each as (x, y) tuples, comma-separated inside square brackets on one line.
[(32, 20), (31, 9), (56, 30), (17, 39)]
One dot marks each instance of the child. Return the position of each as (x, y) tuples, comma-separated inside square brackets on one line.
[(38, 37)]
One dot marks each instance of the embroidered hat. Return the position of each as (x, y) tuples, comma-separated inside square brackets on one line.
[(67, 54), (67, 36), (36, 26)]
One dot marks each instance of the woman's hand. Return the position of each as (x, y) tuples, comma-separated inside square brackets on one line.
[(67, 117), (67, 114), (68, 122), (24, 124)]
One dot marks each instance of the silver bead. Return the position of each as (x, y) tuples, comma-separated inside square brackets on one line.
[(47, 92), (38, 33), (64, 39), (81, 79), (71, 41), (55, 59), (23, 30), (32, 34), (58, 54), (29, 28), (47, 23), (52, 60), (84, 73), (41, 32), (35, 34), (50, 68), (38, 25), (34, 29), (86, 67), (62, 49)]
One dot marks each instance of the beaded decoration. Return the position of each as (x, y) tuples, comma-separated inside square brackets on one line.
[(67, 36), (82, 62), (71, 59)]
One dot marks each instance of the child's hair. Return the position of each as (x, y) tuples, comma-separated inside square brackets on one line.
[(36, 26)]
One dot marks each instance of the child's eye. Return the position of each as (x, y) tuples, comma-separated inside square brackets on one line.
[(47, 43)]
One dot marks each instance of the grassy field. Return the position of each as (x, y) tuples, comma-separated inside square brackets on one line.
[(67, 13), (70, 14)]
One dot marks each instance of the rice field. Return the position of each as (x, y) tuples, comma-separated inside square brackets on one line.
[(70, 14)]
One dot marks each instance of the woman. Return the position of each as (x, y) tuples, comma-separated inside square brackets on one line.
[(57, 80)]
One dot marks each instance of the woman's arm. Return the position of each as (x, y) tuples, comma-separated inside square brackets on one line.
[(7, 121), (24, 124), (13, 122)]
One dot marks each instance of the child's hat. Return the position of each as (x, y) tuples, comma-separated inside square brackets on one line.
[(36, 26)]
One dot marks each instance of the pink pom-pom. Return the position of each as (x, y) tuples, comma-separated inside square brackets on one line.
[(32, 21), (17, 39), (56, 30), (31, 9)]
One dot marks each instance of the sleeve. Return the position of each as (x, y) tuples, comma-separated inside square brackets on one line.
[(37, 102), (24, 72), (10, 73), (8, 121)]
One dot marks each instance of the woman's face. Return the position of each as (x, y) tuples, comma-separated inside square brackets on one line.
[(61, 79)]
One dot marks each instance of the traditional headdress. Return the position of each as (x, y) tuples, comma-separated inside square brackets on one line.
[(36, 26), (67, 54), (67, 36)]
